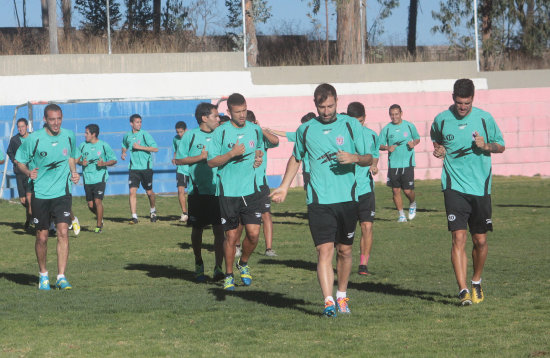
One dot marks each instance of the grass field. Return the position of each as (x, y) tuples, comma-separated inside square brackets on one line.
[(134, 293)]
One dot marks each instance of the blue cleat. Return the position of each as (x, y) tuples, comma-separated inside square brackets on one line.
[(44, 283), (229, 283), (330, 309), (63, 284), (199, 273), (246, 278)]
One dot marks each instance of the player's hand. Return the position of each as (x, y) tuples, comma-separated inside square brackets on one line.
[(258, 159), (346, 158), (439, 152), (479, 141), (123, 156), (75, 177), (391, 148), (33, 173), (100, 163), (204, 154), (278, 195), (136, 146), (374, 170), (85, 162), (174, 161), (410, 144), (238, 149)]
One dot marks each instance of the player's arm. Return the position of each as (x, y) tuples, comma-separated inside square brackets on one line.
[(413, 143), (236, 150), (109, 155), (192, 160), (278, 195), (75, 177), (275, 132), (488, 147), (153, 148), (270, 137)]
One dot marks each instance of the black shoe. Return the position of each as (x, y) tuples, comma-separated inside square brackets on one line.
[(154, 217), (363, 270), (134, 221)]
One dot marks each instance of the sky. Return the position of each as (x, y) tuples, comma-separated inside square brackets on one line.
[(289, 16)]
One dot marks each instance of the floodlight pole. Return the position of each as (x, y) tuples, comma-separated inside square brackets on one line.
[(244, 35), (108, 26), (476, 35), (361, 27)]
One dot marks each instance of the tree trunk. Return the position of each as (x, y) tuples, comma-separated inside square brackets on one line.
[(52, 20), (45, 22), (156, 16), (411, 33), (251, 41), (486, 29), (529, 40), (348, 34)]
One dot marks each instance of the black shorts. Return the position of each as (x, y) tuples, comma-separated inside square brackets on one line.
[(94, 191), (400, 178), (57, 208), (182, 180), (22, 184), (464, 210), (203, 210), (145, 177), (265, 200), (240, 210), (366, 208), (332, 222)]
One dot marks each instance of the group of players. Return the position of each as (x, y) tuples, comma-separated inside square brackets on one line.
[(223, 166)]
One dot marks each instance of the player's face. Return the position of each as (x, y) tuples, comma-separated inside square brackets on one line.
[(22, 128), (53, 121), (180, 132), (327, 109), (463, 106), (362, 119), (212, 121), (395, 116), (136, 124), (88, 136), (238, 115)]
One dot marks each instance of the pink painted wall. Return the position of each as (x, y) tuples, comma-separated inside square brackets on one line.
[(523, 116)]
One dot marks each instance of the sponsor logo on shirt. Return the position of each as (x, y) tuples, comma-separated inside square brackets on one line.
[(462, 125)]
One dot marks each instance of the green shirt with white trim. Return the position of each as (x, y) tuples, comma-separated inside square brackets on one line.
[(399, 135), (203, 178), (139, 159), (365, 181), (92, 152)]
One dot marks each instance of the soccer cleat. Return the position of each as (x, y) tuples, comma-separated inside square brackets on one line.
[(76, 226), (199, 273), (229, 283), (465, 298), (330, 309), (44, 283), (27, 224), (218, 273), (477, 293), (238, 251), (134, 221), (270, 253), (63, 284), (154, 217), (342, 304), (184, 217), (402, 219), (246, 278), (363, 270), (412, 212), (98, 230)]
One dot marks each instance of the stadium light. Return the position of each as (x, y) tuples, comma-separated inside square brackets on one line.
[(244, 34)]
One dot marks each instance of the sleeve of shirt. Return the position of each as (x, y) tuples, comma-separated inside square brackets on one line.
[(175, 144), (214, 148), (291, 136), (261, 143), (360, 141), (125, 141), (414, 133), (376, 145), (269, 145), (495, 135), (382, 139), (11, 149), (75, 152), (80, 149), (150, 140), (23, 154), (299, 147), (109, 152), (2, 157), (183, 149), (435, 132)]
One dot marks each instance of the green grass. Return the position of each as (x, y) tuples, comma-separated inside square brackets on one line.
[(134, 293)]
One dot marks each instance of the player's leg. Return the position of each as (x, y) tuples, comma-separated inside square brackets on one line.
[(479, 254), (365, 247), (133, 203), (250, 241), (196, 243), (98, 203), (219, 238), (232, 236), (61, 207), (459, 258), (480, 222), (268, 233)]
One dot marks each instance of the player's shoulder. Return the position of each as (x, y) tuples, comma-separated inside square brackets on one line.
[(445, 115), (67, 132), (369, 131), (478, 112), (408, 123)]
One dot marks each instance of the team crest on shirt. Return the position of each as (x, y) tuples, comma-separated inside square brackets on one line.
[(340, 140), (98, 152), (251, 144), (65, 152), (405, 134)]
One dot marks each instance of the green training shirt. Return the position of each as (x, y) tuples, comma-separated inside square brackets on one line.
[(291, 136), (92, 152), (365, 182), (139, 159), (50, 154), (182, 169), (203, 178), (330, 182), (261, 177), (466, 168), (399, 135), (237, 177)]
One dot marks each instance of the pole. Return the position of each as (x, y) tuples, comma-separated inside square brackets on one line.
[(476, 35), (244, 35), (108, 27), (361, 27), (52, 19)]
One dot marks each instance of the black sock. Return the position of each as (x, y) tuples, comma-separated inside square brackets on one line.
[(243, 263), (229, 274), (199, 261)]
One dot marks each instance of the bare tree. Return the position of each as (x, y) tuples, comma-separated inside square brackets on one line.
[(66, 10), (411, 32), (44, 4), (202, 13)]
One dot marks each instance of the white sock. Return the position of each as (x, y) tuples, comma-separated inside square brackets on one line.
[(401, 213), (60, 277), (153, 210), (43, 274), (413, 204), (134, 216), (476, 282), (329, 299), (467, 290), (340, 295)]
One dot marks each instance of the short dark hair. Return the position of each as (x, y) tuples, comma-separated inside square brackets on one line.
[(52, 107), (322, 92), (236, 99), (93, 129), (356, 110), (250, 116), (464, 88), (395, 106), (224, 118), (134, 116), (203, 109), (23, 120), (308, 117), (181, 124)]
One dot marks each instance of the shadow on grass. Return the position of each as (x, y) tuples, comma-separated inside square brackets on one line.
[(301, 264), (158, 271), (394, 290), (271, 299), (297, 215), (187, 246), (418, 210), (523, 206), (20, 278)]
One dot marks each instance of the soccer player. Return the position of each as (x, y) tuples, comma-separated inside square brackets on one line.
[(236, 151), (465, 137), (365, 188), (95, 156), (270, 141), (399, 137), (204, 207), (2, 158), (182, 173), (335, 144), (51, 151), (21, 179), (140, 144)]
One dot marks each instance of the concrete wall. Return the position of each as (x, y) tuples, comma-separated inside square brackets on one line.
[(166, 87)]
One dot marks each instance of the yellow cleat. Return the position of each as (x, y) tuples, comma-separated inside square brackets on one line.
[(477, 294), (465, 298)]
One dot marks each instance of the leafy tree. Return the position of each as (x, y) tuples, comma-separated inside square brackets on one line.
[(174, 16), (139, 16), (94, 15)]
